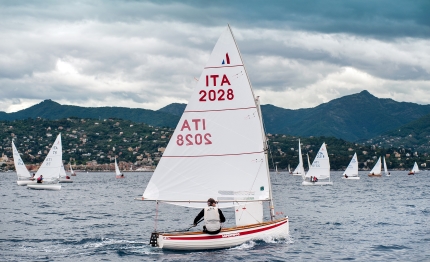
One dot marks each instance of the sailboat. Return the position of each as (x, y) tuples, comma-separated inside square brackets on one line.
[(300, 170), (64, 178), (319, 169), (72, 173), (309, 162), (289, 169), (385, 168), (276, 170), (117, 172), (351, 172), (51, 168), (24, 176), (415, 169), (220, 139), (376, 170)]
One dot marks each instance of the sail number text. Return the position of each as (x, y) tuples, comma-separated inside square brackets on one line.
[(196, 139), (220, 94)]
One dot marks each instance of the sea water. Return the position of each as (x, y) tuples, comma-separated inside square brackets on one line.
[(96, 218)]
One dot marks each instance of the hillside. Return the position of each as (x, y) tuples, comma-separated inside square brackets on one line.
[(49, 109), (93, 143), (355, 117), (414, 135)]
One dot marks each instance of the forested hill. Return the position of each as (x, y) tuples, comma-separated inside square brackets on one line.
[(94, 143), (354, 117), (49, 109)]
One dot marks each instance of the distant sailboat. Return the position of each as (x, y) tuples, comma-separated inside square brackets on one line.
[(72, 173), (376, 170), (51, 168), (309, 162), (386, 169), (415, 169), (289, 169), (22, 172), (351, 171), (64, 178), (299, 171), (117, 172), (276, 169), (319, 169)]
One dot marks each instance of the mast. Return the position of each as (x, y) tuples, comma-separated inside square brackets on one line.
[(265, 146), (272, 207)]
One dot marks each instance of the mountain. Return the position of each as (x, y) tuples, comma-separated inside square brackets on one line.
[(356, 117), (414, 135), (49, 109)]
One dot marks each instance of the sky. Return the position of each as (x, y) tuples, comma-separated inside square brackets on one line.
[(148, 54)]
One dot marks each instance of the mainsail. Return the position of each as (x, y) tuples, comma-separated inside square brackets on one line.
[(300, 169), (320, 167), (218, 148), (51, 166), (376, 170), (117, 172), (352, 169), (20, 168)]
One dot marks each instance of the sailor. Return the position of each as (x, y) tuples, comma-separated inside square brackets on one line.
[(213, 218), (33, 178), (40, 179)]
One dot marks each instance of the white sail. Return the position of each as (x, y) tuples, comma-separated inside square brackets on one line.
[(117, 172), (218, 148), (71, 170), (320, 167), (62, 171), (51, 166), (21, 170), (385, 167), (352, 169), (415, 169), (300, 170), (309, 162), (376, 170)]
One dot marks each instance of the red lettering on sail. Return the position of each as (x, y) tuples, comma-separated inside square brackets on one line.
[(225, 80), (185, 125), (196, 122), (214, 77)]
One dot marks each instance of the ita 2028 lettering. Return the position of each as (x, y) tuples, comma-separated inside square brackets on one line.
[(220, 94), (200, 138)]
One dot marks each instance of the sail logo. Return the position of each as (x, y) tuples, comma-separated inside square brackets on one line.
[(320, 155), (226, 60)]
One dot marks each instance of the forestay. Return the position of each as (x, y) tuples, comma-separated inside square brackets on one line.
[(21, 169), (321, 165), (217, 149), (51, 166), (352, 169)]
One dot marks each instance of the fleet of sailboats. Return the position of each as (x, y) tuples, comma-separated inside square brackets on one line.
[(220, 135)]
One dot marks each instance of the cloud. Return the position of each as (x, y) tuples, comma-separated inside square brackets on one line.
[(147, 54)]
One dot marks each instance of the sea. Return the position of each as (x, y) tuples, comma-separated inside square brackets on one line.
[(96, 218)]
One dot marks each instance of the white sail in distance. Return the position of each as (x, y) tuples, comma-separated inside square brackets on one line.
[(352, 169), (320, 167), (21, 170), (218, 148), (117, 172), (51, 166), (376, 170)]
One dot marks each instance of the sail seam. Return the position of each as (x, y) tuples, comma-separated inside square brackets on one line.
[(215, 110), (250, 153), (222, 66)]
